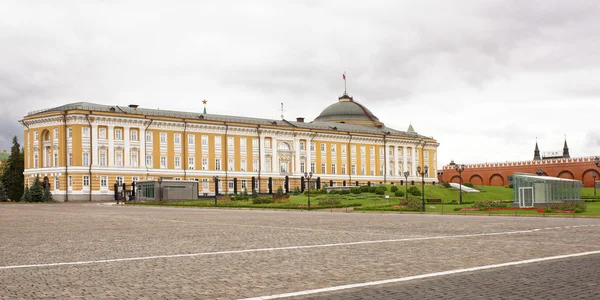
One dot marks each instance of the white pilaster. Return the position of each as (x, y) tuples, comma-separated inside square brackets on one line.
[(404, 159), (297, 156), (275, 159), (94, 149), (413, 170), (397, 161), (111, 145), (142, 138), (309, 157), (127, 158), (263, 160)]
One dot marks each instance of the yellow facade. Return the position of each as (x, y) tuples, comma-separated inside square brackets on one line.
[(83, 152)]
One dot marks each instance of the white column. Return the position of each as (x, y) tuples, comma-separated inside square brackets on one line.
[(309, 156), (413, 151), (397, 161), (111, 145), (297, 156), (274, 159), (127, 158), (263, 160), (94, 149), (404, 159), (142, 153)]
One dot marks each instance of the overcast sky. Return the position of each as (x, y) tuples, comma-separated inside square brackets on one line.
[(485, 78)]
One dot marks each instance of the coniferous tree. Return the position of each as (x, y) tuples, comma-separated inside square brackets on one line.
[(26, 196), (12, 172), (47, 195), (3, 195), (36, 191)]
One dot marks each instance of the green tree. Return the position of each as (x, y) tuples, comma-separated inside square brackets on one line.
[(26, 197), (3, 195), (47, 197), (12, 172), (36, 192)]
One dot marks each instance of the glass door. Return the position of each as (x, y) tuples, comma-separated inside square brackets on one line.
[(526, 197)]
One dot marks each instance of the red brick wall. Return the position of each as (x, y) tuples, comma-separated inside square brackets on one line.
[(496, 174)]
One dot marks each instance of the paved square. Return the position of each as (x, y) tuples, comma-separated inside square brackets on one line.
[(98, 251)]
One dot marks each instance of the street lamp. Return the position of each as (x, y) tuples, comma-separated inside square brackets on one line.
[(307, 177), (216, 179), (460, 169), (539, 172), (594, 176), (160, 189), (406, 184), (422, 185)]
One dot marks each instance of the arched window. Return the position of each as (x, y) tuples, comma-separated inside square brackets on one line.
[(284, 146)]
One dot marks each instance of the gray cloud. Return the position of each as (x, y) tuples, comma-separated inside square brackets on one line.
[(484, 78)]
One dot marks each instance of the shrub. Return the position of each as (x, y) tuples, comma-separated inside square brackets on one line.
[(364, 189), (411, 204), (393, 189), (330, 201), (399, 193), (413, 190), (576, 206), (254, 194), (510, 186), (380, 190), (468, 184), (279, 191), (245, 193), (446, 184), (383, 187), (372, 189), (296, 191), (262, 200), (485, 204), (355, 190), (344, 192)]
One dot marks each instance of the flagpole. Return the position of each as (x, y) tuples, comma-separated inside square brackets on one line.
[(345, 82)]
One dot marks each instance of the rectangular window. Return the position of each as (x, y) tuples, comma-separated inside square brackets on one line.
[(302, 145), (177, 139), (333, 147), (135, 179), (230, 184), (230, 164), (163, 162), (372, 170), (70, 182), (302, 167), (56, 133), (312, 146), (69, 132), (343, 169), (372, 151), (86, 181), (149, 161), (255, 165), (56, 183), (120, 181), (217, 141), (148, 136), (204, 183), (362, 170), (85, 132), (268, 143), (191, 139), (85, 158), (363, 150), (35, 136), (353, 169), (177, 162), (163, 137), (118, 134), (343, 149), (243, 181), (134, 159), (35, 161), (102, 133), (243, 165), (230, 142), (322, 147), (204, 163), (268, 166), (56, 159), (205, 140), (381, 171), (332, 168), (380, 151), (353, 149), (134, 135), (255, 144), (243, 144), (323, 171), (119, 159), (312, 167), (391, 151), (218, 164), (191, 163)]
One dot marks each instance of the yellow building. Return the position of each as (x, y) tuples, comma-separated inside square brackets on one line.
[(82, 149)]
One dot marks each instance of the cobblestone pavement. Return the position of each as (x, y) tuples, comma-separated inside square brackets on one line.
[(92, 251), (572, 278)]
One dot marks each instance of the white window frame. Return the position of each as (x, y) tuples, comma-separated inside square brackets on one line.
[(230, 164), (148, 136), (85, 158), (118, 134), (55, 160), (148, 160), (205, 140), (177, 162), (56, 183), (205, 163), (163, 162), (191, 163), (323, 169), (85, 132), (119, 158), (243, 165), (163, 137), (191, 139), (134, 135), (55, 133), (255, 165), (134, 159), (85, 181), (177, 139), (102, 133), (217, 164)]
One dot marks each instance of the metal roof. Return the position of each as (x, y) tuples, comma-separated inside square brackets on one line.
[(315, 125)]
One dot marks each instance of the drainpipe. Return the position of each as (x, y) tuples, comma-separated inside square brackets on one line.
[(184, 141), (66, 157), (259, 157), (91, 155), (146, 148), (226, 162), (349, 159)]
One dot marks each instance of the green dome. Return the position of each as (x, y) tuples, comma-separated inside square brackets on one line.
[(346, 110)]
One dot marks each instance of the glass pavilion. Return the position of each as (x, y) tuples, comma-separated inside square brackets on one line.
[(531, 190)]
